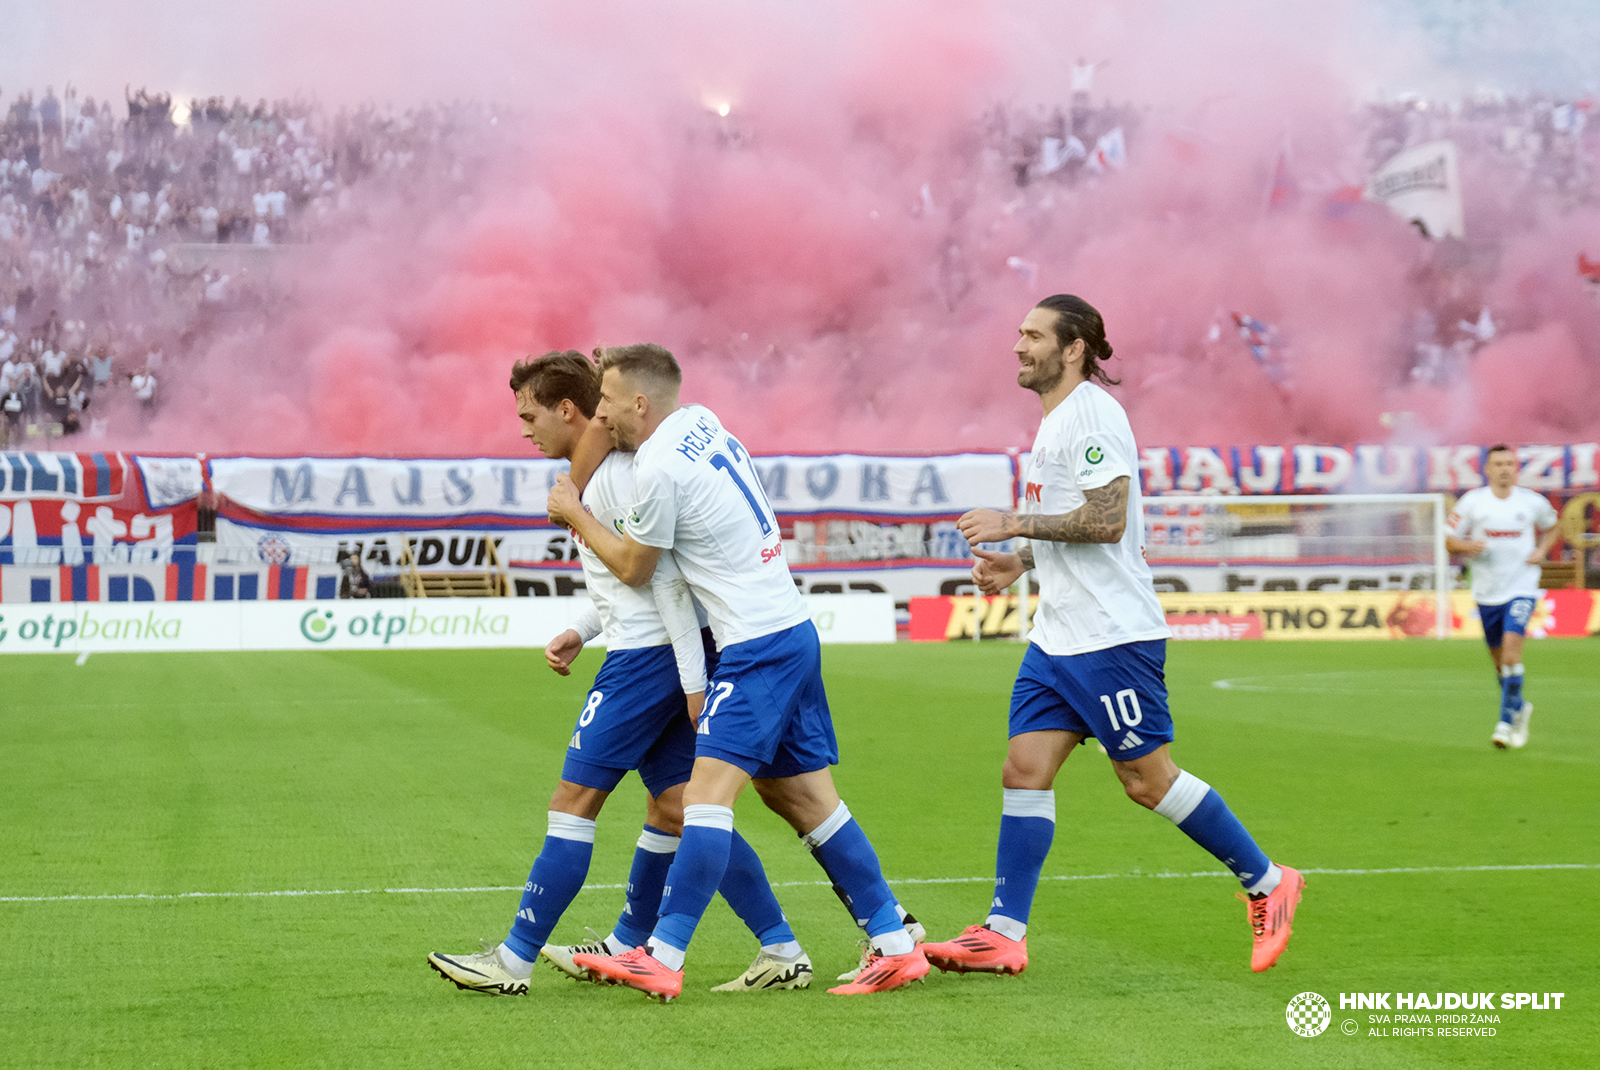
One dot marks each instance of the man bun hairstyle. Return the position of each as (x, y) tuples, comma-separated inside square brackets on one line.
[(559, 375), (1075, 319), (645, 364)]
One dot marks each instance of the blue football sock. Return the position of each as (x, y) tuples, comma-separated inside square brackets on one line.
[(555, 879), (1510, 692), (1027, 827), (749, 893), (1199, 812), (651, 860), (849, 860), (695, 874)]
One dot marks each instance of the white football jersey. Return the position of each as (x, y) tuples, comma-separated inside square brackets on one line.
[(628, 615), (1091, 595), (698, 494), (1509, 526)]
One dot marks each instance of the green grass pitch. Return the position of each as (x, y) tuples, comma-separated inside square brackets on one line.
[(355, 773)]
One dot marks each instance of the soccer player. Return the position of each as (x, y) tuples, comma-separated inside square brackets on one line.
[(1505, 530), (1094, 665), (636, 717), (766, 718)]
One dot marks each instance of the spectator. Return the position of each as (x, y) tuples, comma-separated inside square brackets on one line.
[(144, 391)]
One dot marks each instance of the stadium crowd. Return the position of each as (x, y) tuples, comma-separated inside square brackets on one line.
[(133, 233), (126, 230)]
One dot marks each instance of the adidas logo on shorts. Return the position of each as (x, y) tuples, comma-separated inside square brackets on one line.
[(1130, 741)]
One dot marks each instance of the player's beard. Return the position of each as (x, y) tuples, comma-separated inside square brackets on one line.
[(620, 439), (1045, 375)]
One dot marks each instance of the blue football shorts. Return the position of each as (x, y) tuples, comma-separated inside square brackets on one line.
[(1509, 616), (766, 710), (635, 717), (1117, 695)]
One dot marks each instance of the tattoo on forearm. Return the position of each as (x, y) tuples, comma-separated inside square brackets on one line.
[(1101, 517), (1026, 554)]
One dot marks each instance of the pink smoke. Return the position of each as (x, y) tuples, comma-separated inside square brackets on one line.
[(821, 303)]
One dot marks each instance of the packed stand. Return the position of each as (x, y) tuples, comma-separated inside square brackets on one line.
[(132, 234)]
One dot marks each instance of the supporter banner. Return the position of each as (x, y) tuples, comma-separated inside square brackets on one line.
[(448, 549), (1287, 615), (118, 581), (849, 485), (99, 509), (371, 494), (79, 628), (1362, 469), (1421, 186)]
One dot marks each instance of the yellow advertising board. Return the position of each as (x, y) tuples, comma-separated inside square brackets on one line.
[(1337, 614)]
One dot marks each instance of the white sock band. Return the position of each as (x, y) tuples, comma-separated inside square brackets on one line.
[(658, 843), (824, 832), (1269, 881), (1516, 670), (1010, 928), (708, 815), (664, 953), (1186, 793), (1025, 802), (515, 964), (788, 951), (571, 827)]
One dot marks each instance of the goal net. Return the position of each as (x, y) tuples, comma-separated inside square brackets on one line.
[(1301, 542)]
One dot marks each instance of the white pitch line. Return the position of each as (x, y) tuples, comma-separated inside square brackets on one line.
[(293, 893)]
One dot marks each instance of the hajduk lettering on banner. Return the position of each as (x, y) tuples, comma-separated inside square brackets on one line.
[(1310, 468)]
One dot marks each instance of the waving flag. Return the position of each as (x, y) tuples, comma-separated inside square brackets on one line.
[(1109, 152), (1262, 341)]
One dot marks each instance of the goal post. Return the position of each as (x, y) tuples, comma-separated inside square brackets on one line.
[(1291, 542)]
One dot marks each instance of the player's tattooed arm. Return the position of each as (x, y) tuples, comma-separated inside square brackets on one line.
[(1101, 518), (1025, 555)]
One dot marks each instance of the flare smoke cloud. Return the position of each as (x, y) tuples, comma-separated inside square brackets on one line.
[(840, 261)]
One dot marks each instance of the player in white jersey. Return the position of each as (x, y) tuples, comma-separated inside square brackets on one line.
[(1505, 530), (1096, 655), (638, 716), (766, 718)]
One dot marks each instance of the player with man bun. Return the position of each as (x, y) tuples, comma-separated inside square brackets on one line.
[(1096, 656)]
